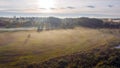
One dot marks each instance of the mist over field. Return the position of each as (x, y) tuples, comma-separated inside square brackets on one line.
[(59, 33), (59, 43)]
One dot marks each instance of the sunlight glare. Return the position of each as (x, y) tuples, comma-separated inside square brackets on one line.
[(47, 4)]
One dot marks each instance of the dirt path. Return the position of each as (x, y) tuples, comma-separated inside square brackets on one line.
[(27, 39)]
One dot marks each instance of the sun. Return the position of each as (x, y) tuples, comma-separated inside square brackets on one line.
[(47, 4)]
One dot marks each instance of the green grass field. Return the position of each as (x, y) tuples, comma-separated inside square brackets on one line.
[(17, 48)]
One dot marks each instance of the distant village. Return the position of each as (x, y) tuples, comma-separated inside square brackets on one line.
[(117, 20)]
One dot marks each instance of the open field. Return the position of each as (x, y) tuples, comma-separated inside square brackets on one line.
[(26, 47)]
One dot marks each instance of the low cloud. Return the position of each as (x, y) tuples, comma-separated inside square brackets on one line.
[(91, 6), (43, 8), (18, 10), (62, 8), (10, 10), (110, 6), (70, 7), (53, 8)]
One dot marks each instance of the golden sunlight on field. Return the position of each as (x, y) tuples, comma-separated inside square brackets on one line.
[(32, 46)]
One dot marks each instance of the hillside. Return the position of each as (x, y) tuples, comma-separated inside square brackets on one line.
[(22, 49), (106, 56), (51, 23)]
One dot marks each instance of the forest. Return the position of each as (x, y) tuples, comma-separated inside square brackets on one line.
[(56, 23)]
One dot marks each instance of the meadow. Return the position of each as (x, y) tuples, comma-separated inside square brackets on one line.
[(21, 48)]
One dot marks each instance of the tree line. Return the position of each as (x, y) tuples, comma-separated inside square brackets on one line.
[(56, 23)]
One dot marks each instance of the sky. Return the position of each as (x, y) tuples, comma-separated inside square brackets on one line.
[(60, 8)]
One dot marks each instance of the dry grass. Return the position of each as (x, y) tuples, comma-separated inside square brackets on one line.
[(48, 44)]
